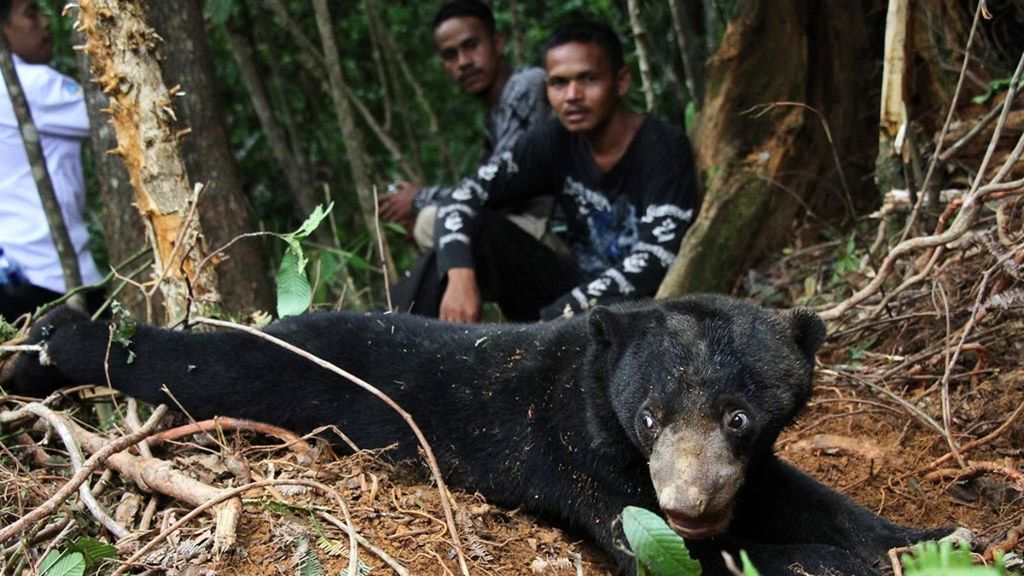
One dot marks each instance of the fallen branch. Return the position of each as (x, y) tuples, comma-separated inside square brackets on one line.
[(225, 495), (976, 469), (292, 440), (47, 508)]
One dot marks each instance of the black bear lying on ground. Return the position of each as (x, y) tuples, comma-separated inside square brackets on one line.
[(669, 405)]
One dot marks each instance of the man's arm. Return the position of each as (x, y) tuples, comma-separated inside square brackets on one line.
[(56, 101), (523, 106), (517, 175)]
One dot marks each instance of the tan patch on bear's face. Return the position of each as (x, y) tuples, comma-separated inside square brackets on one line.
[(696, 477)]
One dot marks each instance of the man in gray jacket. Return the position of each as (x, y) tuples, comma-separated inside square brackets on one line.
[(472, 52)]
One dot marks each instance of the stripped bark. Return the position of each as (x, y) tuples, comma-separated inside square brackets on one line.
[(34, 151), (122, 48)]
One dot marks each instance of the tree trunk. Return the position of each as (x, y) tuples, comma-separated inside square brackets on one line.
[(761, 169), (639, 30), (245, 281), (121, 47)]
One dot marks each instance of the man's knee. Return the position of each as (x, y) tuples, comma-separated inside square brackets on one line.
[(423, 230)]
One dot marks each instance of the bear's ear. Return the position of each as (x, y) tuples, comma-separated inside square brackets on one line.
[(806, 329)]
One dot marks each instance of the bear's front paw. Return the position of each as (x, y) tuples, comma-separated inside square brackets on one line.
[(32, 373)]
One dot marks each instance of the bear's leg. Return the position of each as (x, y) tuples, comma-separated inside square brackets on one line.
[(782, 506)]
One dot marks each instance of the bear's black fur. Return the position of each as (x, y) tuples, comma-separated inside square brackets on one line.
[(668, 405)]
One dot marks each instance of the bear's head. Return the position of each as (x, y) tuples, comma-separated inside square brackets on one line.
[(702, 386)]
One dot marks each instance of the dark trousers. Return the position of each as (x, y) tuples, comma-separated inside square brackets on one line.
[(27, 298), (514, 270)]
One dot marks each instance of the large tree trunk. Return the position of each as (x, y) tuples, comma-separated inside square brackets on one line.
[(761, 169), (245, 282), (121, 47)]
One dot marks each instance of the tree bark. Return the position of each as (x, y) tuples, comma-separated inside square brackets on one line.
[(122, 49), (689, 50), (760, 170), (34, 150), (124, 231), (185, 61)]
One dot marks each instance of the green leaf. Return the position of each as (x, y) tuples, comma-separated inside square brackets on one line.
[(659, 550), (995, 86), (748, 566), (311, 223), (294, 294), (310, 564), (690, 116), (94, 550), (62, 564), (943, 559)]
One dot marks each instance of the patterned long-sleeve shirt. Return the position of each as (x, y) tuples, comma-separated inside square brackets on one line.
[(523, 104), (624, 226)]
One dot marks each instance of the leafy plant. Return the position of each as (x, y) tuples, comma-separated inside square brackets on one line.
[(80, 555), (659, 550), (944, 559), (294, 292), (847, 260), (994, 87)]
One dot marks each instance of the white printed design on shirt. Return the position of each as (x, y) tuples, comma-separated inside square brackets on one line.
[(586, 199), (664, 256), (636, 262), (663, 210)]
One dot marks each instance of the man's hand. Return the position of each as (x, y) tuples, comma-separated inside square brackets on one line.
[(461, 301), (397, 206)]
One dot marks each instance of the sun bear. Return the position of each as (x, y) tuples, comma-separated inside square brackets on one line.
[(669, 405)]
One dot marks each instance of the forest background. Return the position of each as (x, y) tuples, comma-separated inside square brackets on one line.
[(781, 99)]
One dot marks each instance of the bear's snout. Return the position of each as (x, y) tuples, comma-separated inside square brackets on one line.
[(696, 477)]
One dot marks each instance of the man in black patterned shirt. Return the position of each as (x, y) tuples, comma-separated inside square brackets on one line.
[(624, 182), (472, 52)]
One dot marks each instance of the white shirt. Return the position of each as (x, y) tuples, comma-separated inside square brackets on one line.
[(58, 109)]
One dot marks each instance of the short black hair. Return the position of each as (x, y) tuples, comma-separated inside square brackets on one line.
[(465, 8), (588, 31), (5, 10)]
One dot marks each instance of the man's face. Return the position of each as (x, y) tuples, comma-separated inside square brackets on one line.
[(469, 53), (582, 87), (28, 32)]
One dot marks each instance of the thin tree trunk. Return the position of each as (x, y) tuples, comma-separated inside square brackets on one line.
[(374, 26), (516, 31), (689, 51), (357, 156), (302, 190), (121, 47), (762, 169), (636, 24), (34, 150), (244, 277)]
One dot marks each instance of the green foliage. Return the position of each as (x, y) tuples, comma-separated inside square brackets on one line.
[(82, 554), (7, 330), (944, 559), (847, 260), (659, 550), (994, 87), (124, 328), (62, 564), (294, 292), (309, 565), (748, 566)]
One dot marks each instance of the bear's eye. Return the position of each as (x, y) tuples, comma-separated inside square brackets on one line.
[(737, 420), (649, 422)]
